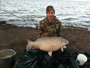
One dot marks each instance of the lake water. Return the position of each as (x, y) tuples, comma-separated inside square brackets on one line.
[(28, 13)]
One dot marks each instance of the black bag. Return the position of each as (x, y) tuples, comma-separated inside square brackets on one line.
[(32, 59), (63, 60), (41, 59)]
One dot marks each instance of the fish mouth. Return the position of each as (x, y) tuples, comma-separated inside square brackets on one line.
[(67, 42)]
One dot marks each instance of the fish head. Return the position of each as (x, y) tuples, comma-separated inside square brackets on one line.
[(64, 41)]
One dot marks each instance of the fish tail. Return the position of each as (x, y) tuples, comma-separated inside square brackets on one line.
[(29, 45)]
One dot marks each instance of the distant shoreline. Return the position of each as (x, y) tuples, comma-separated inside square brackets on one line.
[(4, 23)]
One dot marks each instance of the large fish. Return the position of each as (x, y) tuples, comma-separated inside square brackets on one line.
[(48, 44)]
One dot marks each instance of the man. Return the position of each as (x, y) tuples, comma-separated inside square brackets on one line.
[(49, 26)]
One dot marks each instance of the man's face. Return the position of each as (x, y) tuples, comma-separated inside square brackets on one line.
[(50, 14)]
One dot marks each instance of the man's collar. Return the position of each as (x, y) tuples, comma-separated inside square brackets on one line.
[(46, 19)]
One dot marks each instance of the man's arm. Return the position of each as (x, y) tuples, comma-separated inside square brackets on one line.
[(40, 29), (59, 28)]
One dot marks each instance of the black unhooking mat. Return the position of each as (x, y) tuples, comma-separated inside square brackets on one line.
[(41, 59)]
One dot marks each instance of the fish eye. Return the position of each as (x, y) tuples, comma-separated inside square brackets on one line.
[(66, 41)]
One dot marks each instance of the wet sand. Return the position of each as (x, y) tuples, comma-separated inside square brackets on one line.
[(15, 38)]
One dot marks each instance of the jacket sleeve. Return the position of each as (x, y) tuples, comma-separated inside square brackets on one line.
[(40, 29), (59, 28)]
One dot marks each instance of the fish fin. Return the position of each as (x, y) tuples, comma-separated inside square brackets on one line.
[(65, 47), (62, 49), (50, 53)]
